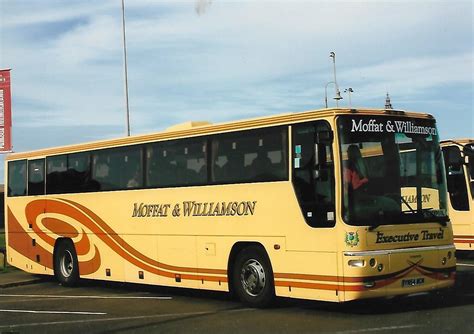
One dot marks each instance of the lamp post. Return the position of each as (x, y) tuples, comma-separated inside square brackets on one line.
[(336, 87), (349, 91), (337, 97), (125, 69), (326, 93)]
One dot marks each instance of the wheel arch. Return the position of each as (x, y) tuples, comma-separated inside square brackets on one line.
[(61, 244), (236, 249), (58, 242)]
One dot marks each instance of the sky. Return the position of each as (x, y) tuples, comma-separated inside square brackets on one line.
[(226, 60)]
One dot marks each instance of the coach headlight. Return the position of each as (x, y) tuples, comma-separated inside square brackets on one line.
[(356, 263)]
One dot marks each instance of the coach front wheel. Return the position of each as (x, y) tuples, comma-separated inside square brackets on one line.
[(253, 277)]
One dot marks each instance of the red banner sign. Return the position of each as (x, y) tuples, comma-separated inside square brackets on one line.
[(5, 112)]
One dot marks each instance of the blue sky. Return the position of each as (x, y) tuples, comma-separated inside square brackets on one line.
[(222, 60)]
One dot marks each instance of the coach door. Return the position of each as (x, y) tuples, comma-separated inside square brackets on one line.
[(313, 172), (311, 240)]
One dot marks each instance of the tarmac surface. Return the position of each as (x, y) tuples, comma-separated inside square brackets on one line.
[(36, 304), (15, 277)]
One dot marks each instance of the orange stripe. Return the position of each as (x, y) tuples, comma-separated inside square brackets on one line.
[(324, 278), (460, 241), (307, 285), (464, 236)]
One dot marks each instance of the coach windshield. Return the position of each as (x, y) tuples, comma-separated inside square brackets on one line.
[(392, 170)]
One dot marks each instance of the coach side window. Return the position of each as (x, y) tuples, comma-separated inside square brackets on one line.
[(456, 178), (78, 178), (56, 169), (17, 178), (158, 168), (176, 163), (118, 168), (36, 177), (250, 156)]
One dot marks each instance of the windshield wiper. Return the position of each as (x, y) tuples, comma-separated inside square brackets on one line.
[(373, 227), (407, 204), (441, 220), (388, 221)]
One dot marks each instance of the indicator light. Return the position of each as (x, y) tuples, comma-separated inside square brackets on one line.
[(372, 262)]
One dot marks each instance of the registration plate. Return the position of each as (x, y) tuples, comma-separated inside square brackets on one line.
[(412, 282)]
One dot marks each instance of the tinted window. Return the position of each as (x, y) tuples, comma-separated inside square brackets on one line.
[(69, 174), (78, 177), (250, 156), (119, 168), (36, 177), (17, 178), (457, 187), (313, 176), (177, 163), (56, 173)]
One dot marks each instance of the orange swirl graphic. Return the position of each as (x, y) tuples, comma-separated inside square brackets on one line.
[(62, 228), (99, 228), (20, 241)]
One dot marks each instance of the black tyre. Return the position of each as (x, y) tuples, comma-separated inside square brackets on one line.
[(252, 277), (66, 267)]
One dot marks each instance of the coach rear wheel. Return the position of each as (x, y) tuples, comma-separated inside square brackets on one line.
[(66, 266), (253, 277)]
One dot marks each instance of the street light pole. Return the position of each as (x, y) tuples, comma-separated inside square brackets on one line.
[(326, 93), (336, 87), (125, 69)]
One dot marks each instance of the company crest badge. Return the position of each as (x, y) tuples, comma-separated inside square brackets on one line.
[(352, 239)]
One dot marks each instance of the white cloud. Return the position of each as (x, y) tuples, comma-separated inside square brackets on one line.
[(411, 77), (97, 40), (237, 59), (17, 14)]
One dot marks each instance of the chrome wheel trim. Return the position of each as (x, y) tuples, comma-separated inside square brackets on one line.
[(252, 277), (66, 264)]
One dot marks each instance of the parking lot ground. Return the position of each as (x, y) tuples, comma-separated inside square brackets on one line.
[(101, 307), (14, 277)]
